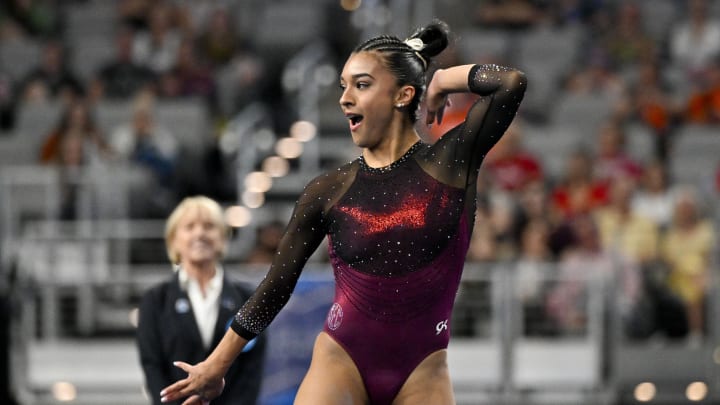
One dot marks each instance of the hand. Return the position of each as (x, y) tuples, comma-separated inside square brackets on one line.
[(201, 385), (436, 101)]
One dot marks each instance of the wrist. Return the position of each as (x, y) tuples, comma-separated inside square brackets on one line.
[(226, 351)]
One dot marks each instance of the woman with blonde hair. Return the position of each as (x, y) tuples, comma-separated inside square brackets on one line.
[(184, 317)]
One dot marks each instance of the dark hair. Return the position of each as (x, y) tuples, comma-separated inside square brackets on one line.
[(409, 66)]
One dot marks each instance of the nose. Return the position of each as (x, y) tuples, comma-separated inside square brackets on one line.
[(345, 98)]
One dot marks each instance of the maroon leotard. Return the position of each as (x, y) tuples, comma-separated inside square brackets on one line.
[(397, 236)]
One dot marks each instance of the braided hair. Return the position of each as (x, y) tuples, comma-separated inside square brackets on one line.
[(408, 60)]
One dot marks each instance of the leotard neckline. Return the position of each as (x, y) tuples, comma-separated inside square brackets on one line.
[(386, 169)]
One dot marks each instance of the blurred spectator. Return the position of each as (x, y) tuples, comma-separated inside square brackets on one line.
[(267, 239), (53, 79), (74, 145), (578, 192), (134, 13), (157, 46), (574, 12), (532, 204), (532, 269), (492, 237), (7, 98), (76, 122), (122, 77), (218, 41), (624, 231), (198, 14), (36, 18), (652, 102), (588, 263), (612, 162), (194, 78), (626, 43), (245, 81), (654, 198), (152, 147), (695, 40), (483, 245), (508, 14), (595, 76), (510, 165), (687, 247), (703, 105)]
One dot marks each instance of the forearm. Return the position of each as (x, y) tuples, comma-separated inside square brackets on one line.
[(483, 80), (451, 80)]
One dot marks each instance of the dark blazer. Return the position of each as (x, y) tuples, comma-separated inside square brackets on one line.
[(167, 332)]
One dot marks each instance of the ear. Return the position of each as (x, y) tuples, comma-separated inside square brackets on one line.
[(404, 95)]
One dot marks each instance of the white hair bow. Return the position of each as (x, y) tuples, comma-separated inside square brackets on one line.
[(416, 44)]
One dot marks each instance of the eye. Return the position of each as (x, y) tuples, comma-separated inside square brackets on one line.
[(342, 86), (362, 85)]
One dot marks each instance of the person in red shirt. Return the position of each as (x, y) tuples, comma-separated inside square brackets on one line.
[(510, 165), (578, 192), (612, 162)]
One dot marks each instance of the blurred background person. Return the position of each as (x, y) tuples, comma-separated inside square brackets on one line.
[(687, 248), (148, 145), (184, 317)]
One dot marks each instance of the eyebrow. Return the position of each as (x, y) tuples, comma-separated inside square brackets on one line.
[(359, 75)]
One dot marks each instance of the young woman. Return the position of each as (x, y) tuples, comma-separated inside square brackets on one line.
[(185, 316), (398, 221)]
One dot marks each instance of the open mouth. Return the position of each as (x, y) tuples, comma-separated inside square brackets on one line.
[(355, 120)]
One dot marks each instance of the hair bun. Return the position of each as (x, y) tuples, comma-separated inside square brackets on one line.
[(434, 38)]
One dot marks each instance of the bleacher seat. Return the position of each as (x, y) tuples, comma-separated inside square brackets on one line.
[(694, 154), (483, 46), (89, 53), (659, 17), (552, 144), (35, 121), (90, 19), (545, 55), (584, 112)]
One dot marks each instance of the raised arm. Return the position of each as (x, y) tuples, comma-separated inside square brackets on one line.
[(500, 89)]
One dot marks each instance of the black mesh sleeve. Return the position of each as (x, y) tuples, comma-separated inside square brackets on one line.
[(306, 229), (456, 157)]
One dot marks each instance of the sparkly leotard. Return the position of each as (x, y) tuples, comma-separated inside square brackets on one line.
[(397, 236)]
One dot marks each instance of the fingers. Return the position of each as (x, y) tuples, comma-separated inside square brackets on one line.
[(182, 365), (430, 117), (171, 389), (440, 114), (180, 389), (195, 400)]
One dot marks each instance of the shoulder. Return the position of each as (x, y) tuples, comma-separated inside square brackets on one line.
[(324, 184), (157, 293)]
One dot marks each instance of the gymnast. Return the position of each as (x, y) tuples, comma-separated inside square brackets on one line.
[(398, 221)]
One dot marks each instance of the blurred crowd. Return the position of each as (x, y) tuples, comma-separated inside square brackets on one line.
[(608, 211)]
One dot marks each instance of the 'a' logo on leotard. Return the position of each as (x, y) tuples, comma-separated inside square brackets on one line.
[(335, 316), (441, 326)]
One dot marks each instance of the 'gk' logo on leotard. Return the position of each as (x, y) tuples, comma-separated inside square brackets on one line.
[(335, 316), (441, 326)]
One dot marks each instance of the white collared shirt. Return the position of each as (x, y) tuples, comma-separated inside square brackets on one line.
[(205, 307)]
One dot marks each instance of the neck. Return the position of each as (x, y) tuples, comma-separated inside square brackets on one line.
[(402, 137), (202, 273)]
